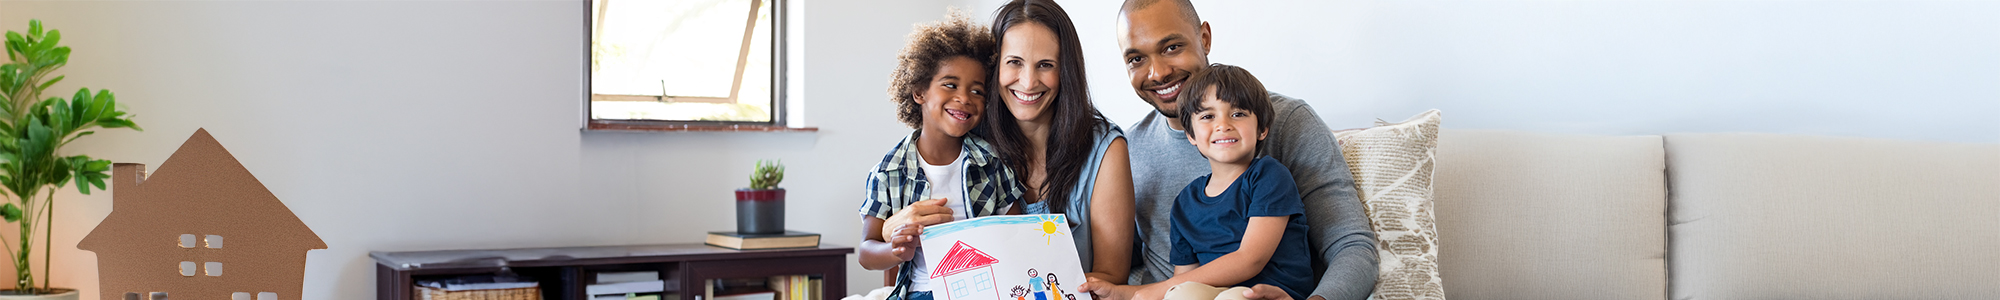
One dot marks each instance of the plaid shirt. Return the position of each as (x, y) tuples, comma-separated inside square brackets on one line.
[(899, 180)]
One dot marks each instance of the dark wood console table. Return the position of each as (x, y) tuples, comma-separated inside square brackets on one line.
[(563, 272)]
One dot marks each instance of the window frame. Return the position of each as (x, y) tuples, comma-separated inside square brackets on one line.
[(779, 91)]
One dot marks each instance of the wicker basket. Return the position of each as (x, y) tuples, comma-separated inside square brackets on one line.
[(431, 293)]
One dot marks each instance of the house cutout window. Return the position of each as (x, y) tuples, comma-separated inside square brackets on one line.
[(187, 268), (132, 296), (158, 296), (267, 296), (239, 296), (211, 268), (187, 241), (212, 241)]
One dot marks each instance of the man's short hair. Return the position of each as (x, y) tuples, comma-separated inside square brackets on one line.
[(1186, 9), (1233, 85)]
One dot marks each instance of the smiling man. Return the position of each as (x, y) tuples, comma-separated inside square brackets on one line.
[(1163, 42)]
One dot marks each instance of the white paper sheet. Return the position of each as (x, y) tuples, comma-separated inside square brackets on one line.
[(994, 257)]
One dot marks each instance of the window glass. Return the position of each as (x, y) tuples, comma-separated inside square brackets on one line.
[(681, 60)]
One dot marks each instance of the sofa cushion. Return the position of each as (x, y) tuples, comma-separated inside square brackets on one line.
[(1762, 216), (1547, 216), (1393, 167)]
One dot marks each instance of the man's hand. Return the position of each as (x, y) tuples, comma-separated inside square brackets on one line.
[(1155, 291), (922, 213), (1270, 292)]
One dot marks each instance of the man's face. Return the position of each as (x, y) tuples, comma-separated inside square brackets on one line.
[(1161, 49)]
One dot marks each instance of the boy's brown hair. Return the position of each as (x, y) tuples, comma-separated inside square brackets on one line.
[(1233, 85), (930, 44)]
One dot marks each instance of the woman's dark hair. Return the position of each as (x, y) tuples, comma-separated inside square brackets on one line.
[(1232, 85), (1075, 120)]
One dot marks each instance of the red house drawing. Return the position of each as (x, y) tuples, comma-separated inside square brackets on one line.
[(166, 234), (968, 274)]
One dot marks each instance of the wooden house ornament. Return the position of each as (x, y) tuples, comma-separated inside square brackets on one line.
[(202, 227)]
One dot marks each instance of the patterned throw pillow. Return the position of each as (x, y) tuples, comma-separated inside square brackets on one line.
[(1392, 170)]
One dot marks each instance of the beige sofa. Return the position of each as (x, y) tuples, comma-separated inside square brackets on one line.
[(1715, 216)]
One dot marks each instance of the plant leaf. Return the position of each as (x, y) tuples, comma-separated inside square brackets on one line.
[(10, 212)]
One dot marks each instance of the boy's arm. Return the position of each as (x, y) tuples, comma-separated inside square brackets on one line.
[(878, 253), (1260, 239), (1342, 244)]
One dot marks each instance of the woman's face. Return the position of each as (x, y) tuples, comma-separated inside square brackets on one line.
[(1028, 73)]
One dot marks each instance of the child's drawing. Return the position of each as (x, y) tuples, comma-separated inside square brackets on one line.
[(988, 253)]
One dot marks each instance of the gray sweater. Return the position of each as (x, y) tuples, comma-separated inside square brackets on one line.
[(1343, 246)]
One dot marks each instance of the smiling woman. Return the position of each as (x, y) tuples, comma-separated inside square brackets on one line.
[(685, 63)]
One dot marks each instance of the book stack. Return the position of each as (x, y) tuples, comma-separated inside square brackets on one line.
[(795, 287), (791, 287), (740, 289), (639, 285), (740, 241)]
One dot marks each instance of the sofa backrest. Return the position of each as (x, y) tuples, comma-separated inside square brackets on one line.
[(1545, 216), (1764, 216)]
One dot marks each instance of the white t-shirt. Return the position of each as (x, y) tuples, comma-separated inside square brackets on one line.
[(948, 182)]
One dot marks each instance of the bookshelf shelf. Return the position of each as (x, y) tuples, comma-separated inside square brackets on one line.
[(564, 272)]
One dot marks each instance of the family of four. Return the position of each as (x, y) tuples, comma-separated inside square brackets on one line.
[(1224, 184)]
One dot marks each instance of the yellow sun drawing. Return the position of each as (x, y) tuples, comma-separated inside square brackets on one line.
[(1049, 229)]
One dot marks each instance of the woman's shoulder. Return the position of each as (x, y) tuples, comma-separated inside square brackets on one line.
[(1106, 132)]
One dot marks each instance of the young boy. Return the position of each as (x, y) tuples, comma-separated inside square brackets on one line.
[(940, 172), (1243, 224)]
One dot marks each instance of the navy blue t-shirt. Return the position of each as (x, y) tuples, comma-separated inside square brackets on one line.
[(1205, 228)]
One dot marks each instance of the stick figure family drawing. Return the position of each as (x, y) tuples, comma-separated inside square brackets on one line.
[(1040, 289)]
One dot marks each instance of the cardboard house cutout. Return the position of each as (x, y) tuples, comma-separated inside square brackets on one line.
[(202, 227), (968, 274)]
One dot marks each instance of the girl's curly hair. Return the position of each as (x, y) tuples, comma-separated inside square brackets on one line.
[(930, 44)]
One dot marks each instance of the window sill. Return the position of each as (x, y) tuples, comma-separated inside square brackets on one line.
[(600, 125)]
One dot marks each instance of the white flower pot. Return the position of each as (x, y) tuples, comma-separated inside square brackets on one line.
[(69, 294)]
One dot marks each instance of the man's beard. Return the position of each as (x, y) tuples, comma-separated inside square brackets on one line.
[(1176, 113)]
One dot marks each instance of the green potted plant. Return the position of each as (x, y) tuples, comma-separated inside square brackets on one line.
[(33, 131), (760, 209)]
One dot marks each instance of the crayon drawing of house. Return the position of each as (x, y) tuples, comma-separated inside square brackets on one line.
[(967, 273)]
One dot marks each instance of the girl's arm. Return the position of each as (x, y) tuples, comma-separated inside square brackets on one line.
[(1111, 212), (1260, 239)]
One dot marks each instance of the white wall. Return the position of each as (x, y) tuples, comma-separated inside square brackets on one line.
[(1924, 70), (412, 125), (439, 125)]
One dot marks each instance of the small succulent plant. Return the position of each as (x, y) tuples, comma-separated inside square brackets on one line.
[(767, 175)]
